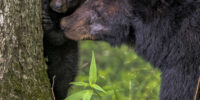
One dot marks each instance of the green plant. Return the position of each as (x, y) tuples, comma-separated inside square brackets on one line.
[(123, 74), (93, 89)]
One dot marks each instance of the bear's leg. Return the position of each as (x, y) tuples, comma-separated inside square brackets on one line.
[(63, 64)]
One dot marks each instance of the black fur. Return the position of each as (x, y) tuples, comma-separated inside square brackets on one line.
[(170, 40), (61, 52), (164, 32)]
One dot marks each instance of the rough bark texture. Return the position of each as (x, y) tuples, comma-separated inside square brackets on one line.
[(22, 69)]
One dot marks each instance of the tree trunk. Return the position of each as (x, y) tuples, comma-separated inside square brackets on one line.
[(22, 68)]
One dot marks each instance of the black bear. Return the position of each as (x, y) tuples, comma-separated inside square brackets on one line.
[(61, 52), (164, 32)]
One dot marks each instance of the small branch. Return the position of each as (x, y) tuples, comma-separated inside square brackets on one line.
[(84, 65), (52, 90), (197, 89)]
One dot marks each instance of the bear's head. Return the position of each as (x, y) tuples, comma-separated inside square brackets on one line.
[(114, 21), (107, 20), (62, 6)]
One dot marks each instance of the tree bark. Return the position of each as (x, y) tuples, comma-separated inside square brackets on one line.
[(22, 68)]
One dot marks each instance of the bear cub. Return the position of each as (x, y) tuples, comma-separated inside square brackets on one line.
[(62, 53)]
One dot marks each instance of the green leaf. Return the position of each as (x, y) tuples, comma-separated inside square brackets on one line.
[(117, 95), (97, 87), (88, 95), (80, 84), (81, 95), (93, 71), (109, 92)]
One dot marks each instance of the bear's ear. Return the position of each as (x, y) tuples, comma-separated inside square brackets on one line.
[(97, 19)]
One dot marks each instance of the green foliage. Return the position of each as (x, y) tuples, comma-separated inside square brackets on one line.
[(82, 95), (93, 71), (123, 74), (93, 87)]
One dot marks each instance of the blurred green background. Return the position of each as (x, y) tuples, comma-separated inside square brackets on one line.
[(121, 69)]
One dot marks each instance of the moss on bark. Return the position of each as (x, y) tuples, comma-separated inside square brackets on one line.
[(22, 68)]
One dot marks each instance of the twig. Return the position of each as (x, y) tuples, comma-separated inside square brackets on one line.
[(52, 90), (84, 65), (197, 89)]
